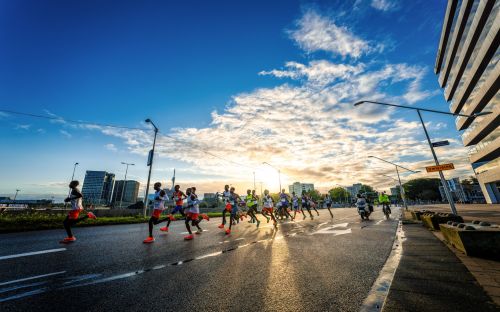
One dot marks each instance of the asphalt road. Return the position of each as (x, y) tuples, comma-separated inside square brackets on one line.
[(312, 265)]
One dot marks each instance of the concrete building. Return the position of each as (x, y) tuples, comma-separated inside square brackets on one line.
[(469, 71), (395, 190), (130, 193), (354, 189), (97, 187), (298, 188)]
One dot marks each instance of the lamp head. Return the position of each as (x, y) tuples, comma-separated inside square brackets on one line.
[(148, 120), (481, 114), (358, 103)]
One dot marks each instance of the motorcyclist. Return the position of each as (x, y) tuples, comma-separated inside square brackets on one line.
[(383, 199), (361, 204)]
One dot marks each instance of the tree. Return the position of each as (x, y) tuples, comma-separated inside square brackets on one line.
[(425, 189), (366, 189), (315, 195), (338, 194)]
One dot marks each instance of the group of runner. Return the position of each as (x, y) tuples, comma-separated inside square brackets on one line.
[(236, 206)]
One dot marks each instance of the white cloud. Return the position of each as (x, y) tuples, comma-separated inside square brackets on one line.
[(384, 5), (66, 134), (111, 147), (318, 33), (308, 128), (23, 127)]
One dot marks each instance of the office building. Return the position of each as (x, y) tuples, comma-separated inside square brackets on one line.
[(298, 188), (469, 71), (130, 193), (354, 189), (395, 190), (97, 188), (456, 189)]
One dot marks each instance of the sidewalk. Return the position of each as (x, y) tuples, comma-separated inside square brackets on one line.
[(483, 212), (430, 277)]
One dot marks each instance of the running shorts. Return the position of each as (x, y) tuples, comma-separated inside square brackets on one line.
[(267, 209), (157, 213), (177, 208), (73, 214), (193, 216)]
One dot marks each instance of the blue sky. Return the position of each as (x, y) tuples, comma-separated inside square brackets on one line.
[(246, 81)]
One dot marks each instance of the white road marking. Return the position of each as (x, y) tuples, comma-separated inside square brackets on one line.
[(32, 253), (26, 294), (31, 278), (378, 222)]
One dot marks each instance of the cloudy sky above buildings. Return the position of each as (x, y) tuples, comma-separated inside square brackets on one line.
[(230, 84)]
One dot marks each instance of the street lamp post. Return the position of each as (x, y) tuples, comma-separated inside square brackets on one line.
[(15, 196), (279, 173), (254, 187), (124, 181), (150, 164), (401, 189), (443, 181)]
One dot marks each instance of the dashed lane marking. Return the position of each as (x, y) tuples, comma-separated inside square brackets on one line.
[(33, 253)]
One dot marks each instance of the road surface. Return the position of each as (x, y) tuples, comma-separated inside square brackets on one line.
[(311, 265)]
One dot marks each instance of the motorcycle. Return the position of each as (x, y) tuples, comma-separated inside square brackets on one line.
[(363, 213), (386, 210)]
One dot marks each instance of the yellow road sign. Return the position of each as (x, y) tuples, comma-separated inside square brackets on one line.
[(440, 168)]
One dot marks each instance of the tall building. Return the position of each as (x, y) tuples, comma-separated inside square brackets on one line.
[(395, 190), (354, 189), (130, 193), (298, 188), (456, 189), (97, 187), (469, 71)]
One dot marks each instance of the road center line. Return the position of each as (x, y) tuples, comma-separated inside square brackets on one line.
[(32, 253)]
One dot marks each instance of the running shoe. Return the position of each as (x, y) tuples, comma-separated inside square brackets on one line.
[(171, 217), (312, 218), (149, 240), (205, 217), (189, 237), (199, 231), (228, 231), (68, 240), (258, 223), (221, 226), (268, 219), (164, 229), (90, 215), (304, 216)]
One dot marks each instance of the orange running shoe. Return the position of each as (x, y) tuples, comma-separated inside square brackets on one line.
[(149, 240), (221, 226), (205, 217), (189, 237), (91, 215), (68, 240), (164, 229), (228, 231), (172, 218)]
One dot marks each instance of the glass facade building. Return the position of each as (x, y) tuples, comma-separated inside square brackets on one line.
[(469, 73), (130, 193), (97, 188)]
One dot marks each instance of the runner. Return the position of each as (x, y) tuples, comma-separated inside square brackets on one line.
[(305, 204), (295, 204), (328, 201), (251, 202), (193, 213), (227, 205), (159, 206), (312, 204), (267, 208), (75, 197), (284, 200), (178, 196), (233, 202)]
